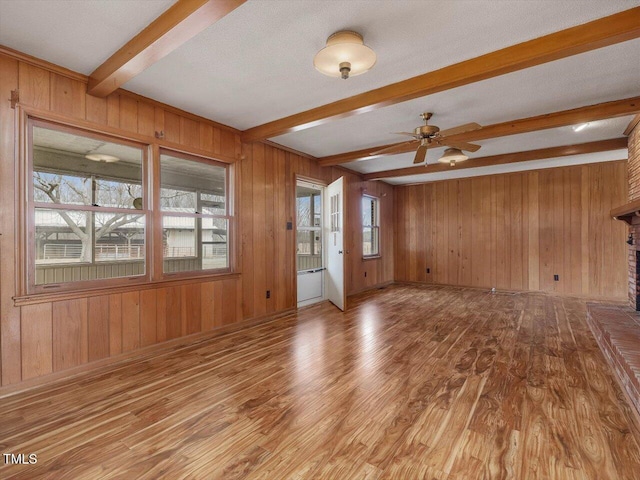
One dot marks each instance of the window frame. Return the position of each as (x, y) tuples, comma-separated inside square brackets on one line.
[(32, 206), (375, 226), (160, 214), (26, 288)]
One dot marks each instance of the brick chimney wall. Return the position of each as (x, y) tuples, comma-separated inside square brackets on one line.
[(633, 168), (634, 163)]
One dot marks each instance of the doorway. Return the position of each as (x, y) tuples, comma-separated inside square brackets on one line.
[(310, 258)]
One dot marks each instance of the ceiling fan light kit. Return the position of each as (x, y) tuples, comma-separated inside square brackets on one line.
[(452, 155), (430, 136), (345, 56)]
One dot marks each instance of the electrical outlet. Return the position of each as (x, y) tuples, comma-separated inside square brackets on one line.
[(556, 278), (268, 293)]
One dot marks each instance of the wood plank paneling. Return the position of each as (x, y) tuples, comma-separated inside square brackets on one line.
[(34, 86), (207, 305), (98, 327), (519, 230), (161, 314), (10, 355), (267, 203), (171, 127), (130, 321), (146, 119), (128, 113), (96, 109), (173, 313), (192, 308), (70, 340), (37, 356), (148, 319), (68, 97), (115, 324)]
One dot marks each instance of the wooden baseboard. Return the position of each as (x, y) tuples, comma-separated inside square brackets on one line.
[(372, 287), (596, 298)]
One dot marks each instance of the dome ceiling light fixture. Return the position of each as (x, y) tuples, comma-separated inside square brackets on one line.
[(345, 56), (452, 155), (101, 157)]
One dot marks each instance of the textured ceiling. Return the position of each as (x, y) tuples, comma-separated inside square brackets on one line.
[(593, 77), (77, 34), (256, 64)]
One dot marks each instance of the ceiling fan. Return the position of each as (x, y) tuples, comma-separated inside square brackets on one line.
[(430, 136)]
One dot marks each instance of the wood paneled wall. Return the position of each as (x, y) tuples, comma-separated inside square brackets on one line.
[(52, 336), (268, 178), (517, 231), (46, 337)]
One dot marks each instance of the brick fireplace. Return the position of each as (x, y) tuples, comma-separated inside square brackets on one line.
[(617, 328), (634, 266), (629, 214)]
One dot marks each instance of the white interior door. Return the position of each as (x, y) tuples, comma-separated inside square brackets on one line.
[(334, 225)]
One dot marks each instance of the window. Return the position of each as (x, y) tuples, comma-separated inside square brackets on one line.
[(195, 214), (370, 227), (308, 226), (91, 217), (86, 201)]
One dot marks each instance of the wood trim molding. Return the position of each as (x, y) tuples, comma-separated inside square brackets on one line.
[(620, 27), (539, 154), (288, 149), (632, 124), (181, 22), (591, 113), (340, 158)]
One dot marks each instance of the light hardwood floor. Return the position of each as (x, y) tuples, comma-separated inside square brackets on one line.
[(413, 382)]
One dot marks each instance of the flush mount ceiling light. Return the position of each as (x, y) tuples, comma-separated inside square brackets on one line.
[(452, 155), (345, 55), (579, 128), (101, 157)]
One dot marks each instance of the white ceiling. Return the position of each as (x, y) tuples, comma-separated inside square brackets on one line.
[(77, 34), (256, 64), (592, 77)]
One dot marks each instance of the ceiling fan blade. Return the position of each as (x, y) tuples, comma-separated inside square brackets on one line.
[(421, 153), (394, 148), (467, 127), (405, 133), (468, 147)]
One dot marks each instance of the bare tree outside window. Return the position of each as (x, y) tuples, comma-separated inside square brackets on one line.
[(70, 190)]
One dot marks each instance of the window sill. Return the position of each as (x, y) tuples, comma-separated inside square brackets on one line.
[(36, 298), (371, 257)]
